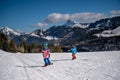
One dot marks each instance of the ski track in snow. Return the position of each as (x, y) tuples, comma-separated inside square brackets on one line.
[(87, 66)]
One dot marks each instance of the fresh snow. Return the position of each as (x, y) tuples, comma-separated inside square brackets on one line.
[(87, 66)]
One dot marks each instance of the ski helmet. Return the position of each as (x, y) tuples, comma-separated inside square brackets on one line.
[(45, 45)]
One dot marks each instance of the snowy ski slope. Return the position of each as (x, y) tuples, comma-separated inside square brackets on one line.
[(87, 66)]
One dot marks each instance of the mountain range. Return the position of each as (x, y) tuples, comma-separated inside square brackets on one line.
[(69, 32)]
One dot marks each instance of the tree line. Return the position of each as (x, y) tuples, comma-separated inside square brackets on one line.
[(9, 45)]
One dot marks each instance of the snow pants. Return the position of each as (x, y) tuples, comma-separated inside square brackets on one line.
[(73, 56), (47, 61)]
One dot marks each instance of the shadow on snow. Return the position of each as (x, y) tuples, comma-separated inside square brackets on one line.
[(28, 66), (61, 60)]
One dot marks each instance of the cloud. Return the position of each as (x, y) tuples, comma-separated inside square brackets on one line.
[(81, 17), (86, 17), (40, 24), (115, 13), (56, 17)]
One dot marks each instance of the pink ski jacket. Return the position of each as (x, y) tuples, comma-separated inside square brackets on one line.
[(46, 53)]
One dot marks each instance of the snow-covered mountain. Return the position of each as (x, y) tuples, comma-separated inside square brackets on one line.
[(69, 23), (36, 36), (71, 31), (67, 30), (40, 33), (87, 66), (9, 32), (37, 33), (19, 37), (58, 31), (107, 23)]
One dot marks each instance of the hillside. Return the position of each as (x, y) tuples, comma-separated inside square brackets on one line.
[(87, 66)]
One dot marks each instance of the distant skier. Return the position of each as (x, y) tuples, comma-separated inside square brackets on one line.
[(46, 54), (74, 51)]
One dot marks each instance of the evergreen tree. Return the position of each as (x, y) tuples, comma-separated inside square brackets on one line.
[(56, 48), (33, 46), (5, 45), (29, 48), (12, 46), (24, 45), (4, 42)]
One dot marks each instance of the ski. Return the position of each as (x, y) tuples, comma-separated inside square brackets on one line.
[(47, 65)]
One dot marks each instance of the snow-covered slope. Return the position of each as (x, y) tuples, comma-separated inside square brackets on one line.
[(50, 38), (37, 33), (117, 30), (106, 23), (80, 25), (87, 66), (109, 33)]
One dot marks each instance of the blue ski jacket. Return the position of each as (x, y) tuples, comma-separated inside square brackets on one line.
[(73, 50)]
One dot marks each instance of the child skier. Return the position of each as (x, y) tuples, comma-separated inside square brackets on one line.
[(74, 51), (46, 54)]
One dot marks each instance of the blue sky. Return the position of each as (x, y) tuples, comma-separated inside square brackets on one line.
[(29, 15)]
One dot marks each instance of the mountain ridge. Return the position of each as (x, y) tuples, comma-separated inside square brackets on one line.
[(71, 30)]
